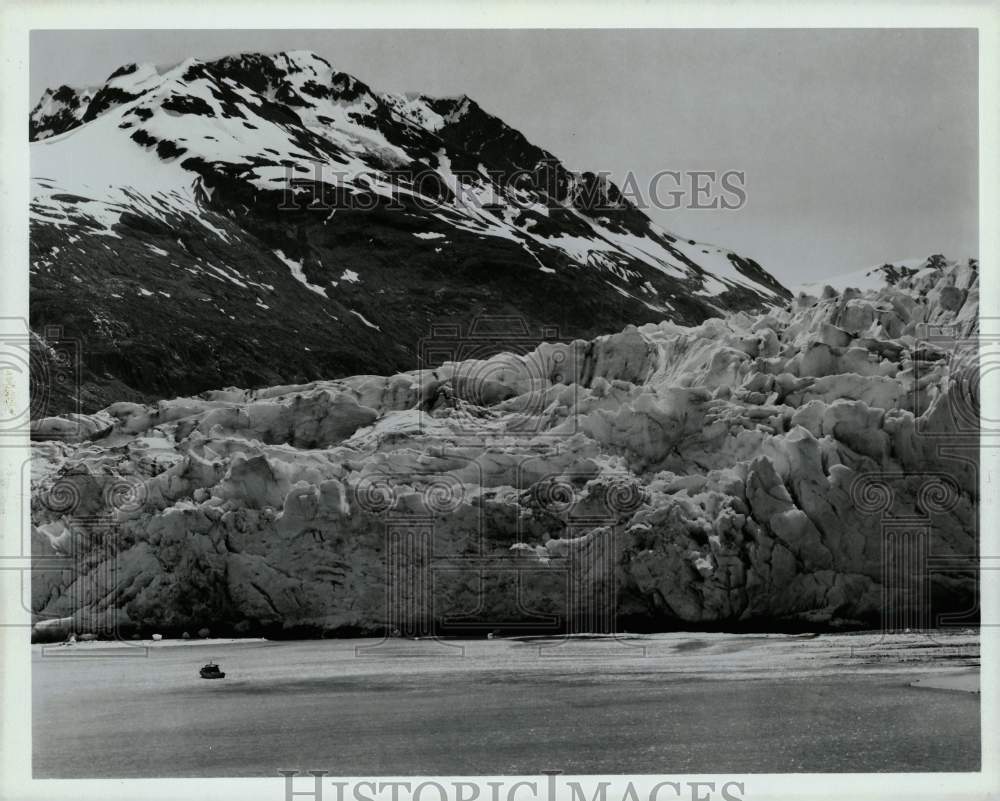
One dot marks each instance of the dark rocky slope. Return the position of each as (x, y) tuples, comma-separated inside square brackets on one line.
[(266, 219)]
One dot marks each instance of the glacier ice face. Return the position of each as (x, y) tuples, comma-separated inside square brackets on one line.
[(746, 471)]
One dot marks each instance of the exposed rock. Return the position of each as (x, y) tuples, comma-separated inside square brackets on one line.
[(265, 219)]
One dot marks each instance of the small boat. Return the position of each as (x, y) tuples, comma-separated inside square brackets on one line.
[(211, 671)]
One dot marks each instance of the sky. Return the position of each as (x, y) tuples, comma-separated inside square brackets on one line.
[(857, 146)]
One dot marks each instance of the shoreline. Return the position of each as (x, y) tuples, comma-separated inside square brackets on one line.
[(516, 637), (708, 654)]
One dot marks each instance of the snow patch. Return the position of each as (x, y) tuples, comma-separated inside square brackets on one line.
[(298, 274), (365, 320)]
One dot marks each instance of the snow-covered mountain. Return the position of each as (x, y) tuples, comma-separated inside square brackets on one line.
[(262, 219), (876, 277), (58, 111)]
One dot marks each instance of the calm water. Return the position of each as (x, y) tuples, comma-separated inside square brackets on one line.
[(663, 704)]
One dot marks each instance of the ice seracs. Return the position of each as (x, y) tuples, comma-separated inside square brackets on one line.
[(739, 472)]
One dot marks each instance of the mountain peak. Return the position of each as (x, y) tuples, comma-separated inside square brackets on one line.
[(135, 78), (272, 192), (58, 110), (304, 58)]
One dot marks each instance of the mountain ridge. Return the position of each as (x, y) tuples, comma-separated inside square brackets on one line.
[(177, 237)]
